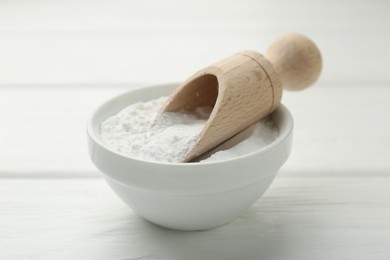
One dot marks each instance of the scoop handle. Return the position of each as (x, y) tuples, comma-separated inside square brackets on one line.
[(296, 59)]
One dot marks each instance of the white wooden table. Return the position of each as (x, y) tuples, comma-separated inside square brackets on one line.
[(60, 59), (331, 200)]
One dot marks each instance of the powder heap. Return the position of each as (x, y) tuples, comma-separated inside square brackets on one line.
[(135, 132)]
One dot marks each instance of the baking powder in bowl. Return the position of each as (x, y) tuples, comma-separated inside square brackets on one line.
[(135, 132)]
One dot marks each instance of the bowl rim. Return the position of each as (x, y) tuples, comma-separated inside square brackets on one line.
[(96, 139)]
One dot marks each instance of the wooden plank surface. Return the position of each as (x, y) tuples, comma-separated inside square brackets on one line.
[(330, 201), (60, 59), (315, 216)]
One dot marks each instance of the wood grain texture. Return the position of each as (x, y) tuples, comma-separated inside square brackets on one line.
[(318, 215), (296, 59), (243, 88)]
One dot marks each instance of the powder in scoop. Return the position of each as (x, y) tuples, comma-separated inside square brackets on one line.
[(135, 133)]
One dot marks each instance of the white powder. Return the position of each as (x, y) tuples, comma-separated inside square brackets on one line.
[(263, 134), (132, 133)]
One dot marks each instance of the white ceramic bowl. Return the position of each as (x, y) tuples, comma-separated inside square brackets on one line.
[(187, 196)]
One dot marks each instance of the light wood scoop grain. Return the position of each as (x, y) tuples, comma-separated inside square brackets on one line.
[(245, 87)]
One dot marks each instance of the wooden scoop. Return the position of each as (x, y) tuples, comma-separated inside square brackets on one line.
[(245, 87)]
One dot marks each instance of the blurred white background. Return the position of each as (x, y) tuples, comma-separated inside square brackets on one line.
[(117, 42), (60, 59)]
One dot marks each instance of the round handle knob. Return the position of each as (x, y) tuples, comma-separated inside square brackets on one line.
[(296, 59)]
